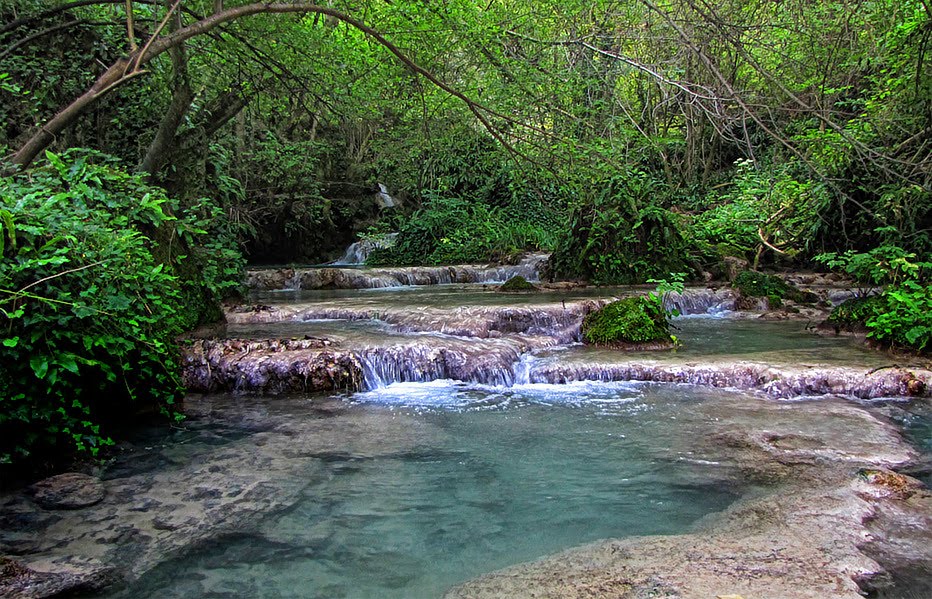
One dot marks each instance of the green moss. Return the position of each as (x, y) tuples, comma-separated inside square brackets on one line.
[(750, 283), (516, 284), (856, 311), (631, 320)]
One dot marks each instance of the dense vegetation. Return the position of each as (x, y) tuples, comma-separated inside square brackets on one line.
[(633, 139), (100, 272)]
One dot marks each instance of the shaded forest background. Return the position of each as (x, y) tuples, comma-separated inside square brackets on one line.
[(744, 127)]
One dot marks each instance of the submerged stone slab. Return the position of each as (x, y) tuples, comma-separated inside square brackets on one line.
[(199, 491), (803, 538)]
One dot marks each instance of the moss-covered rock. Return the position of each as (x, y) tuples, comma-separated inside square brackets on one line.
[(516, 284), (753, 284), (634, 321)]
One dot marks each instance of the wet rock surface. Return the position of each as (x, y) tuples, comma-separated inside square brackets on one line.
[(826, 517), (68, 491), (814, 534), (377, 278), (255, 460)]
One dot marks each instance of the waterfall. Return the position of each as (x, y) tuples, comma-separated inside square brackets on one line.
[(358, 252), (694, 302), (377, 278), (487, 364)]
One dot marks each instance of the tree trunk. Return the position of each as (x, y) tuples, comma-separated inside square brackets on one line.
[(182, 96), (130, 67)]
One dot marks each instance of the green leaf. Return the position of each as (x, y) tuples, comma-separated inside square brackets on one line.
[(39, 365)]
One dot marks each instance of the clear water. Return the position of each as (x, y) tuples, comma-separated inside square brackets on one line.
[(779, 343), (503, 476)]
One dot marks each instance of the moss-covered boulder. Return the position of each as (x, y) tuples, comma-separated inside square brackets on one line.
[(752, 284), (517, 284), (631, 323)]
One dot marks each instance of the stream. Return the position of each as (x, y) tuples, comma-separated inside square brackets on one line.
[(417, 441)]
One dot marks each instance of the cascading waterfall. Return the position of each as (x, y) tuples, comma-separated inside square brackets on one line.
[(695, 302), (333, 277), (482, 337), (358, 252)]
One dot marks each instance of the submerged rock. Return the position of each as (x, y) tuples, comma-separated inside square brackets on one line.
[(802, 539), (200, 491)]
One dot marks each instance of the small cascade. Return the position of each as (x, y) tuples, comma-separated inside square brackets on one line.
[(333, 277), (358, 252), (558, 323), (487, 364), (523, 368), (695, 302)]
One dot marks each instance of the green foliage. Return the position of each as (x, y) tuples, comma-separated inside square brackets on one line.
[(757, 284), (621, 235), (905, 319), (90, 303), (631, 320), (763, 201), (516, 284), (887, 264), (856, 311), (664, 286), (902, 315), (453, 230), (751, 283)]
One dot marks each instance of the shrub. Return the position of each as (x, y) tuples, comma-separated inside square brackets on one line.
[(902, 315), (856, 311), (90, 303), (905, 319), (620, 235), (631, 320), (452, 230), (751, 283)]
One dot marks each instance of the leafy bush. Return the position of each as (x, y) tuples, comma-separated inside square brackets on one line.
[(620, 235), (91, 304), (886, 264), (856, 311), (905, 320), (631, 320), (902, 315), (764, 202), (751, 283), (453, 230)]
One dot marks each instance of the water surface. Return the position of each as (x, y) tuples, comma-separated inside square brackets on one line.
[(505, 476)]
